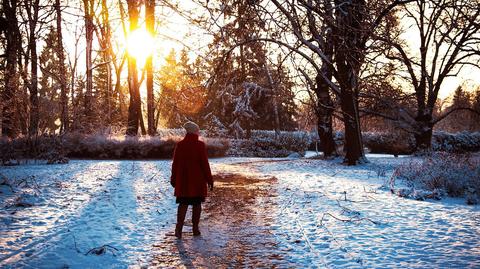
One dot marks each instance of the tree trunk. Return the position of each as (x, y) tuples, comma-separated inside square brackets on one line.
[(142, 124), (108, 55), (118, 90), (33, 85), (32, 13), (63, 72), (89, 28), (248, 134), (349, 55), (73, 70), (109, 94), (150, 23), (13, 45), (275, 102), (423, 131), (134, 106), (119, 66), (353, 136), (423, 127), (325, 109), (324, 112)]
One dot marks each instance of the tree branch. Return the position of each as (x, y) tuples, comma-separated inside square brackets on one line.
[(446, 114)]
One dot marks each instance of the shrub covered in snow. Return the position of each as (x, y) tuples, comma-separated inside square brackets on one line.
[(44, 147), (54, 149), (104, 147), (166, 133), (214, 127), (440, 173), (457, 143), (217, 147), (266, 144), (404, 143), (133, 147), (389, 143)]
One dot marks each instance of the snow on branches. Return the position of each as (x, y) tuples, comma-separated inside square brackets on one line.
[(244, 105)]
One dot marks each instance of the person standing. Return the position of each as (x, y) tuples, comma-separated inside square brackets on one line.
[(191, 175)]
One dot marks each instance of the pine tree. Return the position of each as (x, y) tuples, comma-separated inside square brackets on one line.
[(244, 65), (50, 84), (193, 93), (101, 97), (168, 76), (460, 120), (182, 96)]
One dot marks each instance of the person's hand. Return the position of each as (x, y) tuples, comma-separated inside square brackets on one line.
[(210, 186)]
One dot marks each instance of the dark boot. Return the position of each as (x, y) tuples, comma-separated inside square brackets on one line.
[(197, 210), (182, 211)]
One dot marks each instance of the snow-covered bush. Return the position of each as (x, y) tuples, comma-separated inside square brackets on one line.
[(266, 144), (167, 133), (389, 143), (403, 143), (217, 147), (315, 144), (44, 147), (438, 173), (133, 147), (55, 149), (214, 127), (458, 143), (104, 147)]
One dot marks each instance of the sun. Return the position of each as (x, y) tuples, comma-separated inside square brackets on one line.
[(140, 44)]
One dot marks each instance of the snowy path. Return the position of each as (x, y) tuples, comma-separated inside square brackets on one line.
[(282, 213)]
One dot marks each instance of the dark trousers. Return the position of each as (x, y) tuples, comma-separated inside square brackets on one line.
[(182, 211)]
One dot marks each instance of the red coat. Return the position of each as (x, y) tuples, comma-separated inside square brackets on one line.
[(190, 168)]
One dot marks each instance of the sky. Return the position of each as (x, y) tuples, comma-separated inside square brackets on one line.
[(469, 76), (174, 31)]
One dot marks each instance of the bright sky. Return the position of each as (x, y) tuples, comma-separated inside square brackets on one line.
[(468, 76), (174, 31)]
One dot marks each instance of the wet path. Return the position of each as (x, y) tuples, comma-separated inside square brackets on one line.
[(236, 228)]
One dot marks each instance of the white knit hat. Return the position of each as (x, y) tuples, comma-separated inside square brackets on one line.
[(191, 127)]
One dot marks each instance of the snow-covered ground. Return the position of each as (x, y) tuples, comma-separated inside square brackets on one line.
[(263, 213)]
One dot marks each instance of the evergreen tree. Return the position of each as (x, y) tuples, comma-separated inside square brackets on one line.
[(182, 95), (100, 93), (193, 93), (50, 84), (460, 120), (169, 76), (244, 65)]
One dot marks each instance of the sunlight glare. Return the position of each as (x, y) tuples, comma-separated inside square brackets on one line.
[(140, 45)]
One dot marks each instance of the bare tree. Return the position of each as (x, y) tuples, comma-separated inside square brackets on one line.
[(324, 106), (134, 109), (32, 8), (63, 73), (104, 34), (352, 25), (13, 46), (73, 65), (119, 62), (89, 13), (276, 116), (349, 54), (150, 23), (448, 32)]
